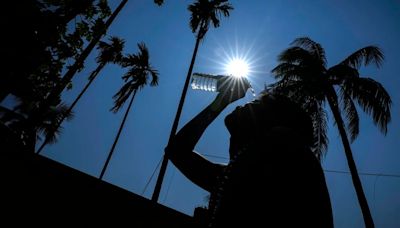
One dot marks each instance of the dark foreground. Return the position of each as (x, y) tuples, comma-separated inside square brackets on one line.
[(38, 191)]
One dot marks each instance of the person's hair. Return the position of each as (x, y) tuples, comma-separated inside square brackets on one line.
[(288, 114)]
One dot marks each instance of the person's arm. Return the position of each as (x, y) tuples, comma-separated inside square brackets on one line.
[(195, 167)]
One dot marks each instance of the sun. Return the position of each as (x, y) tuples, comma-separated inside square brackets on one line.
[(237, 67)]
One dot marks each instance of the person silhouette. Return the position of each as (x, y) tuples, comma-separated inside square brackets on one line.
[(272, 179)]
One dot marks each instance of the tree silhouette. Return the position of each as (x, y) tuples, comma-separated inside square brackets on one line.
[(19, 132), (109, 53), (74, 68), (303, 75), (203, 13), (48, 33), (135, 79)]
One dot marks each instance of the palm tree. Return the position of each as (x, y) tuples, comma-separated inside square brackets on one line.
[(72, 70), (135, 79), (203, 14), (304, 76), (109, 53), (16, 129)]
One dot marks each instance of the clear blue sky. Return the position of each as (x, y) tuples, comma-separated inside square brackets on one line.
[(259, 29)]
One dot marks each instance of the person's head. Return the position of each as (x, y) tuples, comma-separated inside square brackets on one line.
[(252, 122)]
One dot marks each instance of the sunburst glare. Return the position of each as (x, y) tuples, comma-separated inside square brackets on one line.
[(238, 58), (237, 67)]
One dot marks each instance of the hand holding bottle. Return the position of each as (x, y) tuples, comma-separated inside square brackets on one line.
[(230, 90)]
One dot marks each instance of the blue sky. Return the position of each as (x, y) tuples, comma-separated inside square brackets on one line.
[(260, 30)]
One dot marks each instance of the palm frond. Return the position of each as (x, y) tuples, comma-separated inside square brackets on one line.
[(128, 60), (134, 73), (50, 127), (110, 52), (136, 77), (302, 87), (122, 95), (51, 134), (286, 87), (311, 46), (195, 16), (143, 55), (338, 73), (372, 97), (366, 56), (286, 70), (222, 8), (102, 45), (154, 77), (118, 45), (116, 42), (351, 115), (295, 55), (204, 12), (63, 111), (214, 20), (319, 119)]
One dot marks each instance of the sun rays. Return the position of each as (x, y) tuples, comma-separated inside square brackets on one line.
[(238, 58), (237, 68)]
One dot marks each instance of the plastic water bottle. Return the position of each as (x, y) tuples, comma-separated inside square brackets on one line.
[(206, 82), (212, 83)]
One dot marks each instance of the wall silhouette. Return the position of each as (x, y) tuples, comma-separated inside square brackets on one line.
[(39, 191)]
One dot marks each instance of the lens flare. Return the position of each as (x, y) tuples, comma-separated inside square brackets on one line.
[(237, 68)]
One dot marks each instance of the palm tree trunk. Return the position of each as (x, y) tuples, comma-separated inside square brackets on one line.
[(92, 77), (333, 103), (117, 137), (56, 92), (157, 188)]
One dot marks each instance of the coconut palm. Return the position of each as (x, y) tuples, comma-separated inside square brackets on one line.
[(203, 14), (303, 75), (109, 53), (25, 135), (135, 79)]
